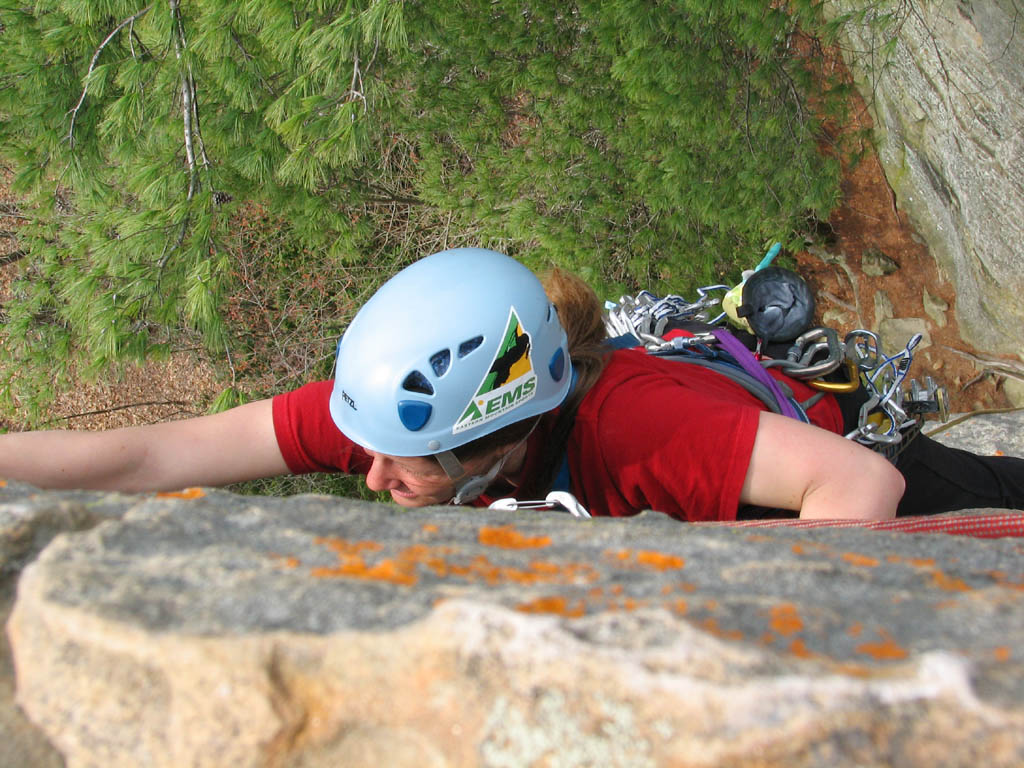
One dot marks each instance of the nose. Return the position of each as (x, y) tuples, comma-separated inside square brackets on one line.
[(380, 476)]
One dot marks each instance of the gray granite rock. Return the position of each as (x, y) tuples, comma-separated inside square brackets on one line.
[(988, 434), (226, 630)]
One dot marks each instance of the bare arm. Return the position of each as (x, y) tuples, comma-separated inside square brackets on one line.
[(821, 474), (227, 447)]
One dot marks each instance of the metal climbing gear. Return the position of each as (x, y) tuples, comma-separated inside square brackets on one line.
[(895, 405), (557, 500)]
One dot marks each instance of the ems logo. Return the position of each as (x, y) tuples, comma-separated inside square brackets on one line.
[(509, 382)]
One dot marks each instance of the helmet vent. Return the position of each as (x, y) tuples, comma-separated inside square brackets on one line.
[(469, 345), (440, 361), (417, 382)]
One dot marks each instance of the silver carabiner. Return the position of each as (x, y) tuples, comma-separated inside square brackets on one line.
[(559, 500)]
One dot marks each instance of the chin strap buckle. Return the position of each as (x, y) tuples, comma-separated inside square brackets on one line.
[(561, 501)]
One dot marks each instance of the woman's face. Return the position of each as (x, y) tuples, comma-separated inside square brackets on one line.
[(414, 481), (419, 481)]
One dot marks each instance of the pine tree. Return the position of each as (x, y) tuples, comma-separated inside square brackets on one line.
[(641, 143)]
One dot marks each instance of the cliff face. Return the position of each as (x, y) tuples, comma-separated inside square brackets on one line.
[(208, 629), (948, 106)]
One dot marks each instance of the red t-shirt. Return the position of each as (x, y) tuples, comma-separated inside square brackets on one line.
[(651, 434)]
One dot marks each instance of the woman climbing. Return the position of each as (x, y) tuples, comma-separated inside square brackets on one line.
[(462, 380)]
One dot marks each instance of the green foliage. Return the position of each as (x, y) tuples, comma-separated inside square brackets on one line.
[(248, 172)]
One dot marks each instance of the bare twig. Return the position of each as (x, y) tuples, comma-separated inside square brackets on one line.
[(114, 408), (994, 365), (836, 300)]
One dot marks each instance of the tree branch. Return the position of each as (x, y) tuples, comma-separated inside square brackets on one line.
[(92, 65)]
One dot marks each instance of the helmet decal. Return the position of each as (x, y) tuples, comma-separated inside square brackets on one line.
[(509, 382)]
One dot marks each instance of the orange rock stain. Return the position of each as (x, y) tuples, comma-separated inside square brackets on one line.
[(187, 493), (711, 625), (799, 648), (403, 568), (555, 605), (785, 620), (885, 650), (863, 560), (646, 558), (949, 583), (507, 537)]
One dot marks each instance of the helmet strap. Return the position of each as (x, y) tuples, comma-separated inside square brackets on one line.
[(469, 487)]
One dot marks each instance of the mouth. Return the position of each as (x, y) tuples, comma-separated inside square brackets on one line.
[(402, 494)]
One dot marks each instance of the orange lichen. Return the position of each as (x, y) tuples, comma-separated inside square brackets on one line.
[(345, 547), (508, 537), (886, 650), (287, 561), (786, 620), (646, 558), (711, 625), (855, 629), (353, 566), (3, 483), (186, 493), (916, 562), (810, 547), (948, 583), (798, 647), (679, 606), (863, 560), (430, 528), (1002, 653), (556, 605)]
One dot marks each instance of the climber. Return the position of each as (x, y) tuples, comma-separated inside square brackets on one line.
[(462, 380)]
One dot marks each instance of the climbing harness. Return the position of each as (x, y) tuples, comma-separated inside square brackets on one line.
[(895, 406)]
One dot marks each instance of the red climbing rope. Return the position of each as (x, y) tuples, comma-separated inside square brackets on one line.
[(981, 526)]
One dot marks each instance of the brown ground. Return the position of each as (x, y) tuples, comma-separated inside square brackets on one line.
[(866, 219)]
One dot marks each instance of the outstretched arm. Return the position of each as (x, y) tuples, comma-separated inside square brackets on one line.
[(232, 446), (821, 474)]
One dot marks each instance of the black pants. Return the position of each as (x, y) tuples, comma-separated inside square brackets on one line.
[(944, 479)]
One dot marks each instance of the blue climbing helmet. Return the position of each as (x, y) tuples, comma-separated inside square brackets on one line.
[(452, 348)]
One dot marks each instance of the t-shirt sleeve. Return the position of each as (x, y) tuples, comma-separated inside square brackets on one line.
[(307, 436), (674, 450)]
